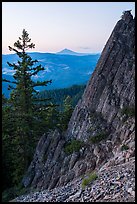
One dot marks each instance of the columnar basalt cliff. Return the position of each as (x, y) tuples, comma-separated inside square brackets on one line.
[(103, 119), (111, 86)]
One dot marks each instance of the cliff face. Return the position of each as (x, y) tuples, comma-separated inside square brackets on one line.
[(111, 86), (106, 110)]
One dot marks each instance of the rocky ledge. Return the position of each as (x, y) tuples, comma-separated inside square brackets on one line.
[(115, 183)]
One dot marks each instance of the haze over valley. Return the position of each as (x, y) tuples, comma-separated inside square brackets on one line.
[(64, 68)]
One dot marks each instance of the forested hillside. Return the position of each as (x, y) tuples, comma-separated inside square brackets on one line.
[(55, 117), (57, 96), (60, 68)]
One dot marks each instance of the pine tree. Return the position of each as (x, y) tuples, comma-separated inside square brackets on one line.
[(25, 69), (23, 102)]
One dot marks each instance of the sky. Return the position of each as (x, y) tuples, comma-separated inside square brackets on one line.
[(80, 26)]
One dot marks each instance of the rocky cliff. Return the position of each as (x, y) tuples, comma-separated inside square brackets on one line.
[(102, 125)]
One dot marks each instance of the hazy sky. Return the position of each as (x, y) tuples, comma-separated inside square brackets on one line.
[(53, 26)]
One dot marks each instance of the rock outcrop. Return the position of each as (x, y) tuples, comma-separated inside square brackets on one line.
[(115, 183), (103, 119), (111, 87)]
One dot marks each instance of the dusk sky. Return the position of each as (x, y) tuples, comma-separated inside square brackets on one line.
[(53, 26)]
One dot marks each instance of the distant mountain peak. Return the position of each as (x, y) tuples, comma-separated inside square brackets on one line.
[(70, 52), (66, 52)]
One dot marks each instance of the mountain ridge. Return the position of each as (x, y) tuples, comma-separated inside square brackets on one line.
[(70, 52), (63, 51), (62, 69)]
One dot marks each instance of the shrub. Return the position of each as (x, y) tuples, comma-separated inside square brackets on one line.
[(128, 111), (97, 138), (7, 195), (93, 176), (90, 129), (124, 147), (73, 146), (13, 192)]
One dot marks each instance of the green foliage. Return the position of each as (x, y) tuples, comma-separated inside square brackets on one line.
[(128, 111), (8, 195), (11, 193), (124, 147), (58, 95), (73, 146), (7, 148), (46, 118), (13, 162), (91, 177), (4, 99), (66, 113), (92, 128), (99, 137), (24, 118), (93, 115), (27, 115)]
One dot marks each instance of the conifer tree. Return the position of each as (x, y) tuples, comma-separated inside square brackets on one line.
[(22, 100), (25, 69)]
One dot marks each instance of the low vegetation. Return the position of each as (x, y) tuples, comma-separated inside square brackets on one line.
[(99, 137), (73, 146), (13, 192), (91, 177), (59, 95), (128, 111), (124, 147)]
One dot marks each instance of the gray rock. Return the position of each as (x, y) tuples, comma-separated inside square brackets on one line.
[(100, 114)]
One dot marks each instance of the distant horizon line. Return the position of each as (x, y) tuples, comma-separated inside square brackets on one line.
[(55, 52)]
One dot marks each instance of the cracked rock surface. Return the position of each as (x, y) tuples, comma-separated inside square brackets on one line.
[(114, 184)]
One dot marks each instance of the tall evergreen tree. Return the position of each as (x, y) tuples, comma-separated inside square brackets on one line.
[(25, 69), (22, 100)]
